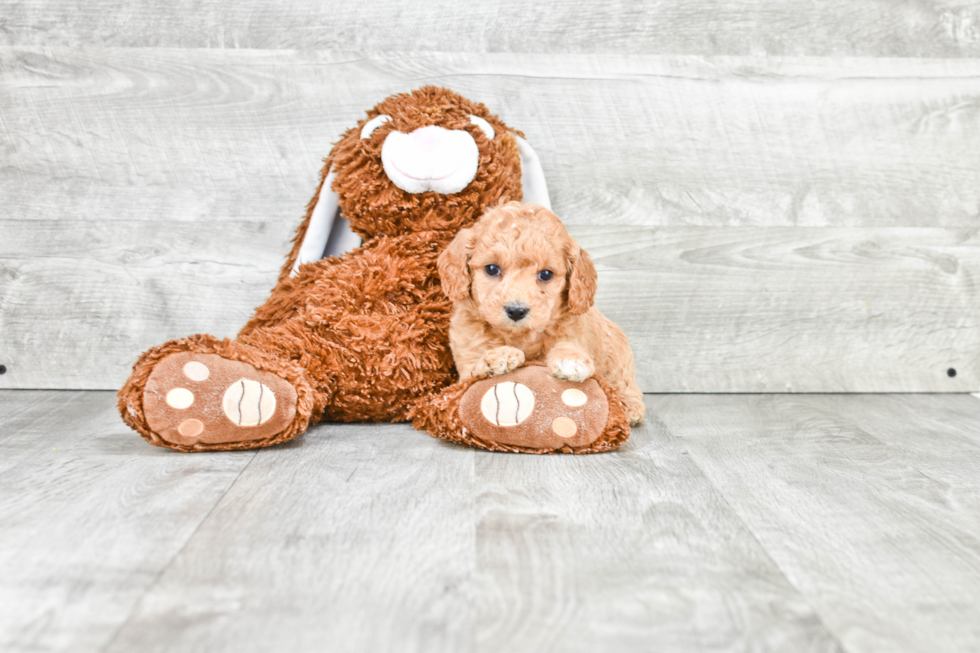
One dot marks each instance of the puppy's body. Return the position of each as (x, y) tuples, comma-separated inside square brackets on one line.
[(523, 290)]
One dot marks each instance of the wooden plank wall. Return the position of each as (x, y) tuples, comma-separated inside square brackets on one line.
[(780, 196)]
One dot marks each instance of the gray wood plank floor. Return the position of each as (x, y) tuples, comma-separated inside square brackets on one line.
[(728, 522)]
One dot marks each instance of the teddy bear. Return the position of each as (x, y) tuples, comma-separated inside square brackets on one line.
[(359, 335)]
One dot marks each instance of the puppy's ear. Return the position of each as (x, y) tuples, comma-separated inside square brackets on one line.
[(454, 270), (582, 279)]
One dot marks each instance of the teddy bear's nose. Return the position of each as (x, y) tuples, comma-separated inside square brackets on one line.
[(429, 139), (516, 312)]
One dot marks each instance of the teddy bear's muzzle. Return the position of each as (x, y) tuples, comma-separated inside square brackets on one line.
[(430, 158)]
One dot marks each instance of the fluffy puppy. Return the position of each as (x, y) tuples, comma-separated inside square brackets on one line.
[(523, 290)]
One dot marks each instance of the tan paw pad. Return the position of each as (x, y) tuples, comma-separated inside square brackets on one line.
[(564, 427), (191, 428), (196, 371), (180, 398)]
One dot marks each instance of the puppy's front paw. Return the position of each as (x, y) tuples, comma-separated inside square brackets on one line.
[(499, 360), (571, 369)]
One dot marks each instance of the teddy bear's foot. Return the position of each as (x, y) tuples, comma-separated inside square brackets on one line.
[(200, 393), (193, 398), (529, 411)]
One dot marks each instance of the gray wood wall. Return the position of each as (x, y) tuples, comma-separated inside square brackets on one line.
[(781, 196)]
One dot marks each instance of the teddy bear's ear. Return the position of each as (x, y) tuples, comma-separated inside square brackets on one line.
[(329, 232), (532, 175)]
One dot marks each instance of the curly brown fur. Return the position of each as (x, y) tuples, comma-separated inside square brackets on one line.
[(131, 395), (439, 416), (375, 206), (369, 329)]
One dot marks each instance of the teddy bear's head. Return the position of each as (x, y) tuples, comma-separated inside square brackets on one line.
[(423, 161), (429, 160)]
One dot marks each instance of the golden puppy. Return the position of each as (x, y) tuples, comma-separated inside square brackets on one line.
[(523, 290)]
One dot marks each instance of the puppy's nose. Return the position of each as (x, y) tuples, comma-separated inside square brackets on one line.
[(516, 312)]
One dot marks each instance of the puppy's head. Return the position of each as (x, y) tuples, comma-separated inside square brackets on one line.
[(520, 268)]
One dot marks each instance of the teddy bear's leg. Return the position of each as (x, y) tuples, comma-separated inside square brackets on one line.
[(201, 393), (527, 411), (364, 368)]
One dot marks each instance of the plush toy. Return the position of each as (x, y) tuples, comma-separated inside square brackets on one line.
[(359, 335)]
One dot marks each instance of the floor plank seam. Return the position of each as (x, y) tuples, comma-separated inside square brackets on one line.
[(830, 632), (176, 555), (10, 417)]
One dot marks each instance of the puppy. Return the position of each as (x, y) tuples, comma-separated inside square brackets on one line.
[(523, 290)]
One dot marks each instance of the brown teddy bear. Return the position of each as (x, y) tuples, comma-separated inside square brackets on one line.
[(361, 336)]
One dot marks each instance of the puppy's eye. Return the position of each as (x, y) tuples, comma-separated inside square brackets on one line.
[(492, 270), (546, 275), (373, 124)]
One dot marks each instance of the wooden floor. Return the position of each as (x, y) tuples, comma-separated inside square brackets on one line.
[(728, 522)]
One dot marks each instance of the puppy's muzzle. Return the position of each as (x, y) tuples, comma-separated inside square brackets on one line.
[(516, 311)]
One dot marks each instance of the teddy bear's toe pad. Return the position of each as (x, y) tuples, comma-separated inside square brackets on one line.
[(193, 398), (530, 408)]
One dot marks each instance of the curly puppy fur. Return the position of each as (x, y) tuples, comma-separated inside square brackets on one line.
[(523, 290), (364, 335)]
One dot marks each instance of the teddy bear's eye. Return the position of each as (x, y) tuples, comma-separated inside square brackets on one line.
[(373, 124), (486, 127), (546, 275), (492, 270)]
